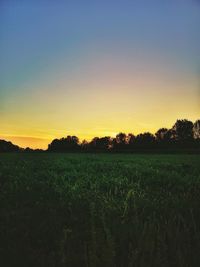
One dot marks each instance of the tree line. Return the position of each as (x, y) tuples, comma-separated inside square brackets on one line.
[(183, 136)]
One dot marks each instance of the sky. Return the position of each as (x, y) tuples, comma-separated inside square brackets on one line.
[(95, 68)]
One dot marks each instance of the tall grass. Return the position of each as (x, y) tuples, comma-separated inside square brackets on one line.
[(99, 210)]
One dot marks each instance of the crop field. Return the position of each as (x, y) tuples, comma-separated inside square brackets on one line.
[(104, 210)]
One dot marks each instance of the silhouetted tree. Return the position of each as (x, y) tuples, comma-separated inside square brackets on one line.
[(130, 142), (121, 138), (165, 138), (162, 135), (84, 145), (6, 146), (70, 143), (183, 130), (100, 143), (131, 139), (145, 140), (119, 143), (170, 136)]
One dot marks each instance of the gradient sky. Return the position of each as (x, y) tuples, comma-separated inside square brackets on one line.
[(95, 68)]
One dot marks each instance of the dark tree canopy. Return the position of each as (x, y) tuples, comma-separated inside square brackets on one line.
[(131, 139), (121, 138), (100, 143), (70, 143), (162, 135), (8, 147), (183, 130), (145, 138)]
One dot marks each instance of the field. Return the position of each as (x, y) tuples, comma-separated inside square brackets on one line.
[(102, 210)]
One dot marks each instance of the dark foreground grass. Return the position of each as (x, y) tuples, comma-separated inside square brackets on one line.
[(99, 210)]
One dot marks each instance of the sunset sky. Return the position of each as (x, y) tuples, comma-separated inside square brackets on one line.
[(95, 68)]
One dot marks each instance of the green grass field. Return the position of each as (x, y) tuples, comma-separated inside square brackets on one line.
[(100, 210)]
